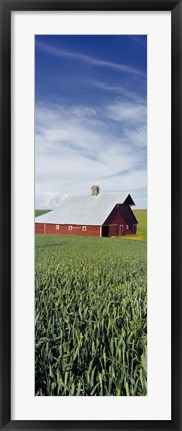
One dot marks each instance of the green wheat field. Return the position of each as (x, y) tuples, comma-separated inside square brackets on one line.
[(91, 314)]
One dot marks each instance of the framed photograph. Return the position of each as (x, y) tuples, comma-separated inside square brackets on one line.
[(90, 215)]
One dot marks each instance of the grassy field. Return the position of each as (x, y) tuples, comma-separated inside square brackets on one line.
[(91, 316), (141, 216)]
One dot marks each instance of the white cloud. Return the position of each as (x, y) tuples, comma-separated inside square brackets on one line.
[(76, 147), (121, 90), (88, 59), (134, 113)]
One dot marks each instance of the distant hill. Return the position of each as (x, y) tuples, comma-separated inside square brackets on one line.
[(141, 216), (40, 212)]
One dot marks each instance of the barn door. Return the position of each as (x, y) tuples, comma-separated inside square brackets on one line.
[(105, 230), (121, 229), (134, 229)]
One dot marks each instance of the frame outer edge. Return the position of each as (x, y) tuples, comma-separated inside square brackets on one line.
[(88, 5), (180, 213), (1, 302), (176, 213), (5, 248), (5, 214)]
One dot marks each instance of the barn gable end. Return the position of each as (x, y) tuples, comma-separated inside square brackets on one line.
[(121, 221)]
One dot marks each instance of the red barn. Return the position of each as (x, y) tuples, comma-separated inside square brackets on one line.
[(95, 215)]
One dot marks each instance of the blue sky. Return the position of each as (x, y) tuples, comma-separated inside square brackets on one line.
[(90, 116)]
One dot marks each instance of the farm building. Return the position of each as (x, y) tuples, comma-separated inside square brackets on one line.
[(94, 215)]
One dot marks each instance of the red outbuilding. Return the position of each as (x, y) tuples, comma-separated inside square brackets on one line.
[(93, 215)]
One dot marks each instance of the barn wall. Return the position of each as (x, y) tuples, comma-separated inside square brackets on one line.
[(122, 216), (117, 222), (39, 228), (63, 229), (114, 230)]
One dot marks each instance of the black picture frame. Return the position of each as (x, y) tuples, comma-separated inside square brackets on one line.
[(6, 7)]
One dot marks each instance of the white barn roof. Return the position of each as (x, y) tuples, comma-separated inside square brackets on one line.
[(83, 210)]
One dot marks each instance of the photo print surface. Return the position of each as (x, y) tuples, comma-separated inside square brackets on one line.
[(90, 215)]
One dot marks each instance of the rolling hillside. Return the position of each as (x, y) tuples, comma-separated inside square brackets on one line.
[(41, 212), (141, 216)]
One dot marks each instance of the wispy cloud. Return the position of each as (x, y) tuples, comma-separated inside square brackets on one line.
[(120, 90), (133, 113), (138, 39), (52, 50), (75, 147), (91, 116)]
